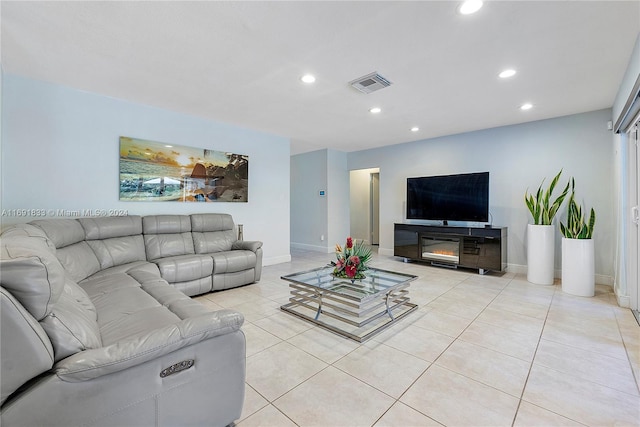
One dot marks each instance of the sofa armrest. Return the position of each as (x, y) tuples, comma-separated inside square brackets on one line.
[(246, 245), (95, 363)]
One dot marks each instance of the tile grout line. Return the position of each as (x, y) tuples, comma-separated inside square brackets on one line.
[(524, 387), (444, 351)]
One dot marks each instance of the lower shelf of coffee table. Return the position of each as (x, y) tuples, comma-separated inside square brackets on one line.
[(359, 324)]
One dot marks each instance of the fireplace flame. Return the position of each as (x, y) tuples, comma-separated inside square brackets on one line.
[(444, 252)]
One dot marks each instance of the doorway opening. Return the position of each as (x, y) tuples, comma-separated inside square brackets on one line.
[(364, 189)]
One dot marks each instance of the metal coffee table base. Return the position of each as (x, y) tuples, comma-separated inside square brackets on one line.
[(350, 317)]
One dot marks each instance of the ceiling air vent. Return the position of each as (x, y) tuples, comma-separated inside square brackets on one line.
[(370, 83)]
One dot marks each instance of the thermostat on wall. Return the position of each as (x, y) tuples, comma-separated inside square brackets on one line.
[(321, 193)]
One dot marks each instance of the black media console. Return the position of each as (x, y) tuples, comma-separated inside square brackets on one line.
[(484, 248)]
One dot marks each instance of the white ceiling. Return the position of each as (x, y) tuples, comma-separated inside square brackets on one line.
[(240, 62)]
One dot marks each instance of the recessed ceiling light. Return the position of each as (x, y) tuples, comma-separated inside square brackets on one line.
[(526, 106), (415, 129), (375, 110), (470, 6), (308, 78), (507, 73)]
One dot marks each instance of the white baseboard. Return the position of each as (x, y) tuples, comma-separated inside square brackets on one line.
[(517, 268), (313, 248), (624, 301), (385, 251), (600, 279), (276, 260)]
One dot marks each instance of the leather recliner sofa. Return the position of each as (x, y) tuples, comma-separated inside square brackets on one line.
[(96, 328)]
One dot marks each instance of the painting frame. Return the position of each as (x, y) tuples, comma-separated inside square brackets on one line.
[(152, 171)]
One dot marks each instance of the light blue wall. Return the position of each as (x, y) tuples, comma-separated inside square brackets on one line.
[(319, 222), (518, 157), (60, 151), (309, 210), (338, 203)]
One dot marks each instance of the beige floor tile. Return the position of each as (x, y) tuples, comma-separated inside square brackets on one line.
[(491, 281), (267, 417), (334, 398), (471, 296), (253, 402), (506, 373), (502, 340), (533, 416), (582, 337), (257, 309), (538, 294), (512, 321), (278, 369), (444, 323), (595, 324), (451, 305), (385, 368), (231, 297), (400, 415), (510, 313), (258, 339), (283, 325), (323, 344), (520, 306), (581, 400), (604, 370), (473, 291), (455, 400), (423, 343)]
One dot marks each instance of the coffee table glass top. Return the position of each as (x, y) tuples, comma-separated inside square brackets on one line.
[(376, 282)]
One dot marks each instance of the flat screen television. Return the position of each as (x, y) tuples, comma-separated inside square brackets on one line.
[(461, 197)]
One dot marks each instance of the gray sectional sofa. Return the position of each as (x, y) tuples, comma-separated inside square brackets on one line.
[(97, 327)]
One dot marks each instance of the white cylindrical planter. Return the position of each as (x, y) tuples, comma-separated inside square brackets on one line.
[(578, 270), (540, 254)]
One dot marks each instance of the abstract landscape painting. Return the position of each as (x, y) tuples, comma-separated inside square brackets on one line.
[(155, 171)]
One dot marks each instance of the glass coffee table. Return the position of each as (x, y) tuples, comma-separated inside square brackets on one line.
[(356, 309)]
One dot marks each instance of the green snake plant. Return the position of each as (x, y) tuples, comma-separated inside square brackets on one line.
[(541, 207), (576, 227)]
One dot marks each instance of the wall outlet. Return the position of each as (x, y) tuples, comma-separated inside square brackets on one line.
[(322, 237)]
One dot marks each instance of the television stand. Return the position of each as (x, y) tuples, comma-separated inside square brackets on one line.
[(482, 248)]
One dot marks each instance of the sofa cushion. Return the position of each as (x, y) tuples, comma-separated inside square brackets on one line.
[(212, 232), (233, 261), (29, 230), (125, 309), (118, 250), (71, 325), (126, 269), (32, 273), (168, 245), (114, 226), (63, 232), (167, 236), (166, 224), (25, 349), (185, 267), (115, 240), (77, 258)]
